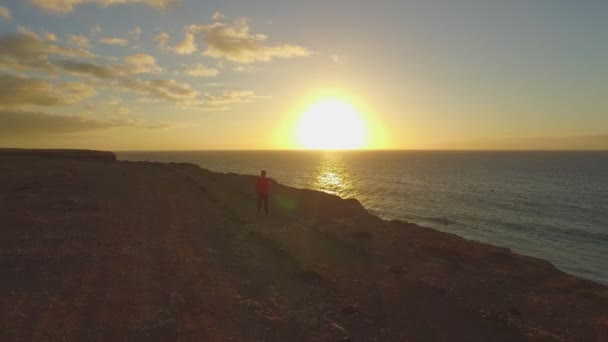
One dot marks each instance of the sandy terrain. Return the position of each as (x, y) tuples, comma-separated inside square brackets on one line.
[(95, 249)]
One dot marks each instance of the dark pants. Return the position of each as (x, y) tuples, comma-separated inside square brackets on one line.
[(263, 198)]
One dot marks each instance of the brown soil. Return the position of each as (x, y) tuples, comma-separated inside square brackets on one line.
[(94, 249)]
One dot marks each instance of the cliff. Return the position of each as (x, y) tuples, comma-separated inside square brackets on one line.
[(92, 248), (69, 154)]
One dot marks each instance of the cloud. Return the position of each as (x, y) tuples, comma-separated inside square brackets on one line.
[(5, 13), (186, 46), (22, 60), (27, 32), (162, 40), (67, 6), (18, 91), (29, 52), (245, 68), (84, 68), (135, 64), (142, 63), (26, 50), (184, 94), (202, 71), (114, 41), (80, 41), (18, 122), (169, 90), (230, 97), (50, 36), (235, 43)]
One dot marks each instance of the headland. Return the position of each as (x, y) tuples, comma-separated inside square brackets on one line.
[(92, 248)]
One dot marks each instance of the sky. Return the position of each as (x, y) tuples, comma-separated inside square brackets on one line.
[(216, 75)]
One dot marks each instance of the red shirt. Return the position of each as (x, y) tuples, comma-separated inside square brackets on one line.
[(262, 186)]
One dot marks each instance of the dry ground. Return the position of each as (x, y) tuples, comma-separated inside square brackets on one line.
[(122, 251)]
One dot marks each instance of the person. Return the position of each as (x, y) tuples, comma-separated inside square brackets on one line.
[(262, 187)]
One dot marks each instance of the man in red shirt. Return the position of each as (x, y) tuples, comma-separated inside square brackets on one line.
[(262, 187)]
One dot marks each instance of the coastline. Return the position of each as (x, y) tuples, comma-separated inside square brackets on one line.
[(320, 267), (519, 201)]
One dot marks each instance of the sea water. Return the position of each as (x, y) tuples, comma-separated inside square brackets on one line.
[(551, 205)]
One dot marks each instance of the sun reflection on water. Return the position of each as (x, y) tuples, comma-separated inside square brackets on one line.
[(333, 177), (329, 181)]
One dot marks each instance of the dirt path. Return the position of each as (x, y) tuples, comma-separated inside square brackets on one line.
[(113, 251)]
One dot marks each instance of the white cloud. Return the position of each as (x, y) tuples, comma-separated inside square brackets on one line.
[(162, 39), (232, 42), (142, 63), (186, 46), (27, 32), (79, 40), (217, 16), (114, 41), (202, 71), (50, 36), (5, 13), (235, 42), (67, 6)]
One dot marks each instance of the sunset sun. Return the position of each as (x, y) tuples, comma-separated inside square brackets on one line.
[(331, 124)]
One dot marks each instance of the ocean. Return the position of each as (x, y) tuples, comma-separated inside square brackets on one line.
[(551, 205)]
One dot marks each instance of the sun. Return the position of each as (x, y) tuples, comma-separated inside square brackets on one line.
[(331, 124)]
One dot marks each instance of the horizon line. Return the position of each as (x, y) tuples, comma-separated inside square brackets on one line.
[(315, 150), (368, 150)]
